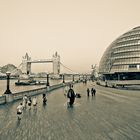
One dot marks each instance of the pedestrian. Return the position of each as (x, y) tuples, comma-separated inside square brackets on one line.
[(71, 96), (65, 90), (29, 102), (88, 91), (44, 99), (19, 111), (35, 102), (25, 100), (93, 91)]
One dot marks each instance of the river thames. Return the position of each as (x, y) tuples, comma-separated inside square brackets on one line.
[(15, 89)]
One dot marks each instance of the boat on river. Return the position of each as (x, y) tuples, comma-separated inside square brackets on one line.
[(30, 83)]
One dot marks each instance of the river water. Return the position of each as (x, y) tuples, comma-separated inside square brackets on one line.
[(15, 88)]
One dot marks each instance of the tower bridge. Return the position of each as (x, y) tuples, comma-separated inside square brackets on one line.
[(25, 67), (27, 61)]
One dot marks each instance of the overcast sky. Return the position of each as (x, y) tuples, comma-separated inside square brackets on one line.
[(79, 30)]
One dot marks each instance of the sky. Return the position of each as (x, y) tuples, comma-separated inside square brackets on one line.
[(79, 30)]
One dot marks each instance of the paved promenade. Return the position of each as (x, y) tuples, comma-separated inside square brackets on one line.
[(112, 115)]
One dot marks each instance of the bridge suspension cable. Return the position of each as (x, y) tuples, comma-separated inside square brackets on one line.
[(69, 69)]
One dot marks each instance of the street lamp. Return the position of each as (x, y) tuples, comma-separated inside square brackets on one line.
[(8, 83), (86, 76), (48, 84), (73, 78), (79, 77), (63, 78)]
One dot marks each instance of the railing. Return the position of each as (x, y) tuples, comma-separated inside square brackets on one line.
[(19, 95), (115, 83), (2, 99), (124, 82)]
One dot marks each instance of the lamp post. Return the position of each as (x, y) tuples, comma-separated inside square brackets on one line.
[(8, 83), (48, 84), (79, 77), (83, 76), (73, 78), (63, 78)]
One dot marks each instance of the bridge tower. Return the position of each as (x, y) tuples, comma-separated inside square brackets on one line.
[(26, 66), (56, 65)]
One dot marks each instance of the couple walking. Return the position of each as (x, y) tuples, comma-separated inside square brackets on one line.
[(93, 91)]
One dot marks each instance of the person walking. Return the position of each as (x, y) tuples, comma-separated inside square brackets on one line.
[(29, 102), (65, 90), (19, 111), (71, 96), (93, 91), (35, 102), (88, 91), (44, 99), (25, 99)]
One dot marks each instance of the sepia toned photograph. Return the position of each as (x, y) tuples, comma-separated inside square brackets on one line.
[(69, 70)]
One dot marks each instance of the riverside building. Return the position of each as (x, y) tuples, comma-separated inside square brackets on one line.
[(121, 60)]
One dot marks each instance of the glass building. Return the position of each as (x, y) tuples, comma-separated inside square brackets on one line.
[(121, 60)]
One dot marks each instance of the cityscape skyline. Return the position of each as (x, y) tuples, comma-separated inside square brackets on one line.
[(80, 31)]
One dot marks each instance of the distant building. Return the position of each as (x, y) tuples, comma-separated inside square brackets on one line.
[(121, 60), (2, 75), (94, 73)]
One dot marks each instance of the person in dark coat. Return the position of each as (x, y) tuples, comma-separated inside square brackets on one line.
[(88, 91), (93, 91), (71, 96), (44, 98)]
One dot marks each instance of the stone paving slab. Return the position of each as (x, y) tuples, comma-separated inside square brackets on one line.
[(112, 115)]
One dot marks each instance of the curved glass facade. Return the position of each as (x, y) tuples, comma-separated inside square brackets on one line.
[(122, 57)]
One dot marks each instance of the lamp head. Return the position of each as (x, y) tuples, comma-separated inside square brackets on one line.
[(8, 73)]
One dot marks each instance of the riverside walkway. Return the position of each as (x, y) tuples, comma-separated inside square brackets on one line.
[(112, 114)]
